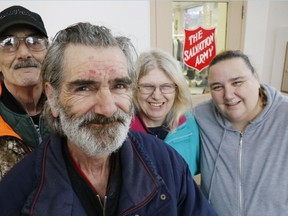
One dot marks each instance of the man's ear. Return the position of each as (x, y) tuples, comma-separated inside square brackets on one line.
[(49, 91)]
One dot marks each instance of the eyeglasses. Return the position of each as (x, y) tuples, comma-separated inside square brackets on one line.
[(34, 43), (166, 88)]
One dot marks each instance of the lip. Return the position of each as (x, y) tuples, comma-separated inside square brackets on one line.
[(232, 104), (28, 70), (156, 104), (17, 68)]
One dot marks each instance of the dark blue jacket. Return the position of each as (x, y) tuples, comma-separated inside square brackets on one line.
[(156, 181)]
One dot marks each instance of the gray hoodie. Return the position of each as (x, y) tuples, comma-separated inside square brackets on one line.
[(246, 174)]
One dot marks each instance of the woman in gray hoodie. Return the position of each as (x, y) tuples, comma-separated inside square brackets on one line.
[(244, 141)]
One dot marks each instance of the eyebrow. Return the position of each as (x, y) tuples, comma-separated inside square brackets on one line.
[(230, 80), (126, 80), (81, 82)]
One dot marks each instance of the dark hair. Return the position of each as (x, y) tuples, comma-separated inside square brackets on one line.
[(230, 54)]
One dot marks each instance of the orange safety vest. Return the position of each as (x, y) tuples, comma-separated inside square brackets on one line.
[(5, 129)]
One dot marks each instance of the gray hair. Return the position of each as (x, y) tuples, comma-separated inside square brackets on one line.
[(84, 34)]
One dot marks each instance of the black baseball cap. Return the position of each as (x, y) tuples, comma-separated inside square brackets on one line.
[(16, 15)]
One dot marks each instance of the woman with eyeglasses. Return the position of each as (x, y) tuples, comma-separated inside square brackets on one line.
[(163, 100)]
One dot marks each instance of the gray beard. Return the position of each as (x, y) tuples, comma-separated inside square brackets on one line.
[(94, 134)]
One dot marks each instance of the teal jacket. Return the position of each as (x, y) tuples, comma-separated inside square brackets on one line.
[(184, 139)]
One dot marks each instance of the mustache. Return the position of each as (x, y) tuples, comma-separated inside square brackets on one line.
[(26, 63), (99, 119)]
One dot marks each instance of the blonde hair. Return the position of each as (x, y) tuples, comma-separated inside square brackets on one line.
[(157, 58)]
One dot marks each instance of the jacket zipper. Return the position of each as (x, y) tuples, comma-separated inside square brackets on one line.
[(40, 125), (37, 132), (103, 205), (240, 176)]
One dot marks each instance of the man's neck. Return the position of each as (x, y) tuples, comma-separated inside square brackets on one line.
[(28, 97), (95, 168)]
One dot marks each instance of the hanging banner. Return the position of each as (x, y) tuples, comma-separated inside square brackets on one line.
[(199, 47)]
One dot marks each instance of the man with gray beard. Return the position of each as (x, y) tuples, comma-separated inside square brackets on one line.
[(92, 164), (23, 46)]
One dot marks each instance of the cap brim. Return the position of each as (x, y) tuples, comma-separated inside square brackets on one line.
[(22, 22)]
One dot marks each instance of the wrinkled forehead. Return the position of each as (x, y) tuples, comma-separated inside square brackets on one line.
[(84, 61), (100, 69)]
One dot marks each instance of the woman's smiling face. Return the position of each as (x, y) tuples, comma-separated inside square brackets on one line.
[(154, 107), (235, 91)]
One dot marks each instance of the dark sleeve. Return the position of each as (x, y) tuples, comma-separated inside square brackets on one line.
[(192, 201), (175, 172), (16, 186)]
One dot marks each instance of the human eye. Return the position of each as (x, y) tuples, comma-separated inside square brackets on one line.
[(237, 83), (146, 88), (34, 40), (79, 86), (216, 87), (8, 43), (82, 89), (167, 86), (36, 43), (120, 87)]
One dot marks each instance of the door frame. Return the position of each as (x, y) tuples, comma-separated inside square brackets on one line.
[(161, 23)]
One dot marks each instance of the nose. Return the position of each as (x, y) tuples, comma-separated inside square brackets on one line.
[(228, 92), (105, 102), (23, 51), (157, 93)]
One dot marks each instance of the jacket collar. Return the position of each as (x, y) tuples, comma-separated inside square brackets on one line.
[(136, 168), (138, 125)]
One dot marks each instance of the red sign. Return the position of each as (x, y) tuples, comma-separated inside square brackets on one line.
[(199, 47)]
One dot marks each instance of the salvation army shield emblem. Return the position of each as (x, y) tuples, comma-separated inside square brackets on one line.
[(199, 47)]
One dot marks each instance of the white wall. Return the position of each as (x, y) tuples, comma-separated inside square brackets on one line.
[(277, 37), (266, 36), (255, 33), (128, 18)]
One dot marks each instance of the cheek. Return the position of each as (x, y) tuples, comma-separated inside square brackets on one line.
[(172, 98), (250, 97), (124, 102), (6, 62), (217, 97), (76, 106), (142, 98), (39, 57), (170, 104)]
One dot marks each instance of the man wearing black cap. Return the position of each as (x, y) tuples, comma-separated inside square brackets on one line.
[(23, 46)]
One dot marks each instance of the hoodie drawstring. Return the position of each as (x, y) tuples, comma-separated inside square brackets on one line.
[(214, 170)]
